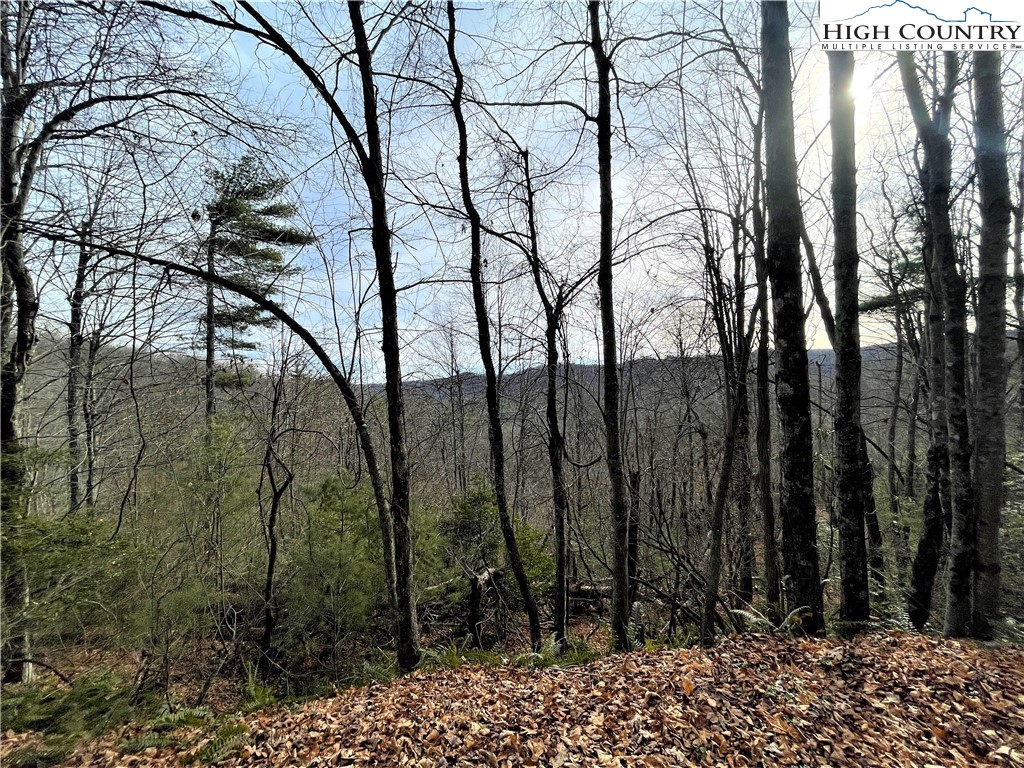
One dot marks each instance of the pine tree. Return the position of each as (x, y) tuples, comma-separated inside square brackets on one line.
[(249, 226)]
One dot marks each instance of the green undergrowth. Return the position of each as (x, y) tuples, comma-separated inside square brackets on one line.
[(64, 715), (51, 752), (226, 741), (213, 739), (100, 702)]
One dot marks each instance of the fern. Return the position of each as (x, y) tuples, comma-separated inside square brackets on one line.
[(794, 620), (380, 670), (223, 744), (902, 619), (790, 625), (146, 741), (449, 657), (181, 718), (549, 649), (42, 756), (635, 630), (257, 695), (753, 619)]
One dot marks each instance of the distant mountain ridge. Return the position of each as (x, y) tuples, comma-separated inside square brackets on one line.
[(648, 369)]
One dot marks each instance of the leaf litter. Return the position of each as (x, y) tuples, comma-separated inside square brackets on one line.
[(884, 699)]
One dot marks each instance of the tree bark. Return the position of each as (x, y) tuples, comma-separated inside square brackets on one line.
[(559, 489), (210, 334), (745, 546), (910, 474), (933, 133), (495, 431), (553, 312), (19, 309), (373, 173), (1018, 278), (89, 418), (937, 501), (796, 497), (721, 493), (277, 492), (893, 420), (73, 403), (854, 602), (610, 363), (763, 426), (990, 445), (763, 442), (633, 540)]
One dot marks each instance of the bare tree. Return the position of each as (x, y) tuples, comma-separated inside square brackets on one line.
[(933, 133), (990, 446), (796, 492), (495, 430), (555, 295), (610, 358), (276, 476), (854, 606)]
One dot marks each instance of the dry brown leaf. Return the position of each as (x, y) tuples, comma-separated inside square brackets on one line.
[(883, 699)]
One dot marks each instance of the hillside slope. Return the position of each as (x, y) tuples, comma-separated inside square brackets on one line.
[(881, 700)]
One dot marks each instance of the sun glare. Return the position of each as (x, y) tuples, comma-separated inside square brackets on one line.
[(866, 90), (864, 93)]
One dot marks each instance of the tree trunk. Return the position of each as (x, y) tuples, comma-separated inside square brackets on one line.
[(610, 367), (269, 609), (763, 426), (937, 509), (895, 407), (559, 490), (763, 442), (854, 603), (633, 538), (934, 135), (18, 307), (373, 173), (897, 527), (210, 337), (929, 546), (89, 418), (1018, 278), (876, 562), (76, 342), (495, 432), (796, 497), (744, 503), (729, 450), (277, 492), (963, 535), (990, 446), (553, 312), (910, 474)]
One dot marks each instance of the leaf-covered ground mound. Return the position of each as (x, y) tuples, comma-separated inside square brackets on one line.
[(879, 700)]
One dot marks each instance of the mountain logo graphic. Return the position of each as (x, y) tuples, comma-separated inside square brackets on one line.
[(971, 14)]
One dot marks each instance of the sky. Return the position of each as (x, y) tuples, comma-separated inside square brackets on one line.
[(497, 43)]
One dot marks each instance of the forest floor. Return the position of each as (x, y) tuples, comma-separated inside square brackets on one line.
[(884, 699)]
